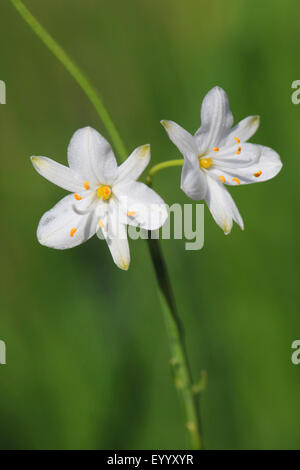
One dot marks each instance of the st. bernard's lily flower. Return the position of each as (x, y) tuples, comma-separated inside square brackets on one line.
[(218, 154), (104, 197)]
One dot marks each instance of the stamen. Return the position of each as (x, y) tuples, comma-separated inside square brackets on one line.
[(131, 213), (100, 223), (86, 185), (77, 197), (104, 192), (72, 232), (237, 140), (222, 178), (258, 173), (216, 149), (205, 162), (236, 180), (238, 150)]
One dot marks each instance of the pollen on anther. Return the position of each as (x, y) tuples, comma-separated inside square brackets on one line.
[(100, 223), (236, 180), (77, 197), (237, 140), (257, 174), (216, 149), (238, 150), (86, 185), (131, 213), (72, 231), (222, 178)]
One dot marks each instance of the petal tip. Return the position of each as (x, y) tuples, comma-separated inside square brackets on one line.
[(165, 124), (144, 150), (37, 161), (124, 265)]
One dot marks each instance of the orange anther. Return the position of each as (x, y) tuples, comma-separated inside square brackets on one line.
[(100, 223), (72, 232), (216, 149), (222, 179), (237, 140), (131, 213), (86, 185), (238, 150), (236, 180), (77, 197), (258, 173)]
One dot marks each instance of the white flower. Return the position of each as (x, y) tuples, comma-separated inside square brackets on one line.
[(217, 154), (105, 197)]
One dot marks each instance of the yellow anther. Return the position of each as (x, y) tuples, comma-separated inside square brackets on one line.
[(205, 162), (236, 180), (104, 192), (72, 232), (237, 140), (238, 150), (258, 173), (222, 178), (131, 213), (77, 197), (216, 149), (86, 185), (101, 224)]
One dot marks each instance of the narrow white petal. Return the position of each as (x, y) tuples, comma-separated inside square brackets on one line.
[(216, 119), (115, 233), (141, 206), (63, 227), (238, 156), (193, 181), (135, 164), (222, 206), (91, 157), (266, 167), (56, 173), (242, 132), (183, 140)]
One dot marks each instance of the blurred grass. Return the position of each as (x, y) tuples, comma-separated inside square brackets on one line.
[(87, 357)]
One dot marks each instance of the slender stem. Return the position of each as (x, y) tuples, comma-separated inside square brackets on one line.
[(162, 166), (179, 360), (76, 73)]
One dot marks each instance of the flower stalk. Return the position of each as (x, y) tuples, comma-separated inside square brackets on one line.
[(179, 361), (162, 166)]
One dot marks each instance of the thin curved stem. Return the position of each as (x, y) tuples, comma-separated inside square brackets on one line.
[(162, 166), (76, 73), (179, 360)]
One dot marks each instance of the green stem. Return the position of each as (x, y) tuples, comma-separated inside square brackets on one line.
[(179, 361), (162, 166), (76, 73)]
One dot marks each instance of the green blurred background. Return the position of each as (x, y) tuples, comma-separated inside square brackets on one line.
[(87, 354)]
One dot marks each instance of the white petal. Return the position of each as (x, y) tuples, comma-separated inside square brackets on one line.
[(56, 173), (63, 227), (115, 234), (183, 140), (243, 131), (265, 168), (141, 206), (222, 206), (216, 119), (193, 181), (135, 164), (238, 156), (91, 157)]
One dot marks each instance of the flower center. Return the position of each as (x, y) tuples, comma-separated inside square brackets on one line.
[(205, 162), (104, 192)]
